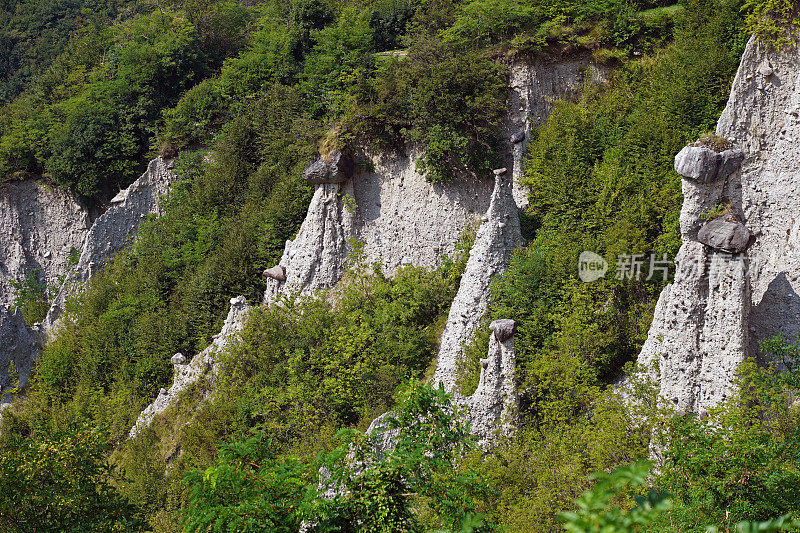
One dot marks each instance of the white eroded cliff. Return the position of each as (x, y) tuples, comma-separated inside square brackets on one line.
[(398, 216), (722, 304), (113, 230), (19, 345), (497, 238), (39, 226)]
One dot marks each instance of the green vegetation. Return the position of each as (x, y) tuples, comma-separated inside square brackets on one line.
[(247, 94), (31, 298), (774, 22), (62, 482)]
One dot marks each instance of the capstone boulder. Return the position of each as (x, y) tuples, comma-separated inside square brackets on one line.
[(335, 167), (725, 234)]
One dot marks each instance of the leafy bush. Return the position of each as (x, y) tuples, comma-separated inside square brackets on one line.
[(31, 298), (741, 461), (594, 507), (248, 489), (62, 482), (772, 21)]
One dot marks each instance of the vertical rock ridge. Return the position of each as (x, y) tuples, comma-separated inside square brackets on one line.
[(19, 345), (497, 238), (707, 323), (112, 231)]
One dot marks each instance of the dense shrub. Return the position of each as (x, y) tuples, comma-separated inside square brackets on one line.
[(62, 482)]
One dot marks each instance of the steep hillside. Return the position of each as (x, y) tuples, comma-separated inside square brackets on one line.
[(352, 300)]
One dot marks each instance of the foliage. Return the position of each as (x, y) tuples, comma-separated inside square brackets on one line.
[(380, 485), (31, 298), (772, 21), (595, 513), (741, 461), (62, 482), (249, 489)]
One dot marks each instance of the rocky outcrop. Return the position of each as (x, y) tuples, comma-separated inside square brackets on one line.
[(20, 346), (392, 210), (725, 234), (335, 167), (41, 226), (763, 118), (721, 305), (497, 238), (535, 85), (202, 366), (493, 408), (113, 230)]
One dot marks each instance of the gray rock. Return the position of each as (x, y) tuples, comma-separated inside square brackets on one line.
[(278, 273), (729, 162), (499, 171), (178, 359), (503, 329), (493, 408), (336, 167), (703, 164), (518, 137), (20, 345), (725, 235)]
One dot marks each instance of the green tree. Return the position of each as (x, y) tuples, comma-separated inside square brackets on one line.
[(248, 489), (62, 483)]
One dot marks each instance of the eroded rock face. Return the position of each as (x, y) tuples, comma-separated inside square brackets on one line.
[(763, 118), (699, 333), (398, 216), (493, 408), (202, 365), (497, 238), (113, 230), (713, 316), (18, 344), (39, 226)]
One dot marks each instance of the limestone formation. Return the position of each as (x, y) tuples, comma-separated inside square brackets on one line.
[(720, 305), (497, 238), (41, 227), (763, 118), (399, 217), (493, 407), (20, 347), (503, 329), (202, 365), (535, 85), (113, 230)]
